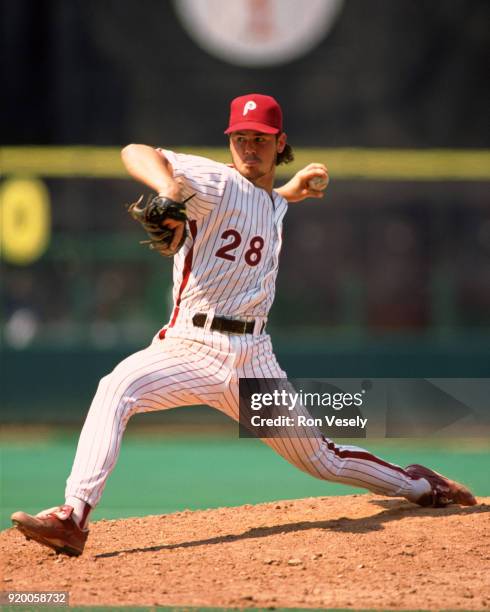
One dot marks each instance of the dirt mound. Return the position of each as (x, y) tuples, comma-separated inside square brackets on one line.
[(358, 551)]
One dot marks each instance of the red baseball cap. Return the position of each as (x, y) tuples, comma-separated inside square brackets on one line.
[(255, 112)]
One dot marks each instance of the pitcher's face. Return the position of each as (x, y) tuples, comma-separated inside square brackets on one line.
[(254, 153)]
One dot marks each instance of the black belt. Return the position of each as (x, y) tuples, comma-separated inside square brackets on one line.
[(222, 324)]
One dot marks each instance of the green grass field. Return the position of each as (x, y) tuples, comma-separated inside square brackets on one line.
[(159, 474)]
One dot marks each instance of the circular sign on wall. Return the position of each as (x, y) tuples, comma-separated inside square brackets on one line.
[(258, 32), (25, 220)]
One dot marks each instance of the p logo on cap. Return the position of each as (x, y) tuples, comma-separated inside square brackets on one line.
[(255, 112), (250, 105)]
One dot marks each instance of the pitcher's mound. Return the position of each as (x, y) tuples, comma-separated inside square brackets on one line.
[(356, 551)]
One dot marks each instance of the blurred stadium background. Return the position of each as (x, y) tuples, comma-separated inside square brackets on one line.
[(388, 276)]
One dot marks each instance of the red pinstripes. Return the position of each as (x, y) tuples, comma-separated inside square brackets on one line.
[(225, 200), (102, 434), (185, 279), (358, 454), (154, 380)]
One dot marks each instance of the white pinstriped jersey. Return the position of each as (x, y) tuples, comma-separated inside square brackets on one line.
[(229, 262)]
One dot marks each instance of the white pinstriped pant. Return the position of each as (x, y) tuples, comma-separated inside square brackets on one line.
[(195, 366)]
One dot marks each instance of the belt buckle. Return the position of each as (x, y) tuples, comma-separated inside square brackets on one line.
[(244, 329)]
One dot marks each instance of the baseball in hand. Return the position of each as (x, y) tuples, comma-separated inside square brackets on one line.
[(318, 183)]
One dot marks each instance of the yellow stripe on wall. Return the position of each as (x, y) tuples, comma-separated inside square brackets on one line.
[(343, 163)]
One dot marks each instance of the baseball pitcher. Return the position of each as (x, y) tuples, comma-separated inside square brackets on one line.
[(223, 226)]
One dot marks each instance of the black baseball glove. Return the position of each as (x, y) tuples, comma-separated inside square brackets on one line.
[(152, 216)]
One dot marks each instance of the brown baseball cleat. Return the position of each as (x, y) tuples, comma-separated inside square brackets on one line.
[(444, 491), (54, 528)]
